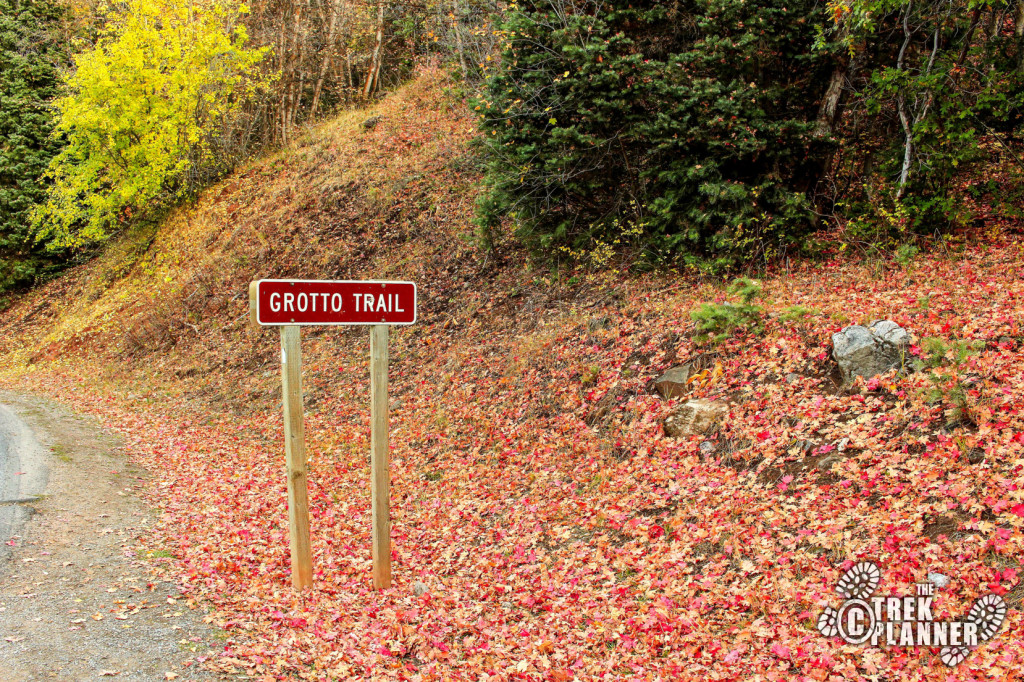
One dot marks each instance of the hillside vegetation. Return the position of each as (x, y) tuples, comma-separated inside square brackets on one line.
[(559, 533)]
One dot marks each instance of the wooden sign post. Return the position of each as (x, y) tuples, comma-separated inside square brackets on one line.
[(288, 304), (295, 457), (380, 462)]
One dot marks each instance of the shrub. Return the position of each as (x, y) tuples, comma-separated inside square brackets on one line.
[(717, 322), (945, 364), (147, 116), (693, 120)]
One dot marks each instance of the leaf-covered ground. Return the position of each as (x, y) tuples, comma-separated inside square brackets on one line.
[(560, 534)]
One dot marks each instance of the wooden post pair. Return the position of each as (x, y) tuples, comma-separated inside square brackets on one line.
[(295, 454), (291, 303)]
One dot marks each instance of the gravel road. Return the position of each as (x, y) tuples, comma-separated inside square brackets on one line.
[(79, 599)]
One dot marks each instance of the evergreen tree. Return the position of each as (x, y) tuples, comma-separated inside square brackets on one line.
[(687, 126), (30, 55)]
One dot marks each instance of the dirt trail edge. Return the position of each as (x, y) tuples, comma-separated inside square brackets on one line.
[(78, 600)]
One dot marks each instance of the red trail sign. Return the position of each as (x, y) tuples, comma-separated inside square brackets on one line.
[(306, 302), (290, 303)]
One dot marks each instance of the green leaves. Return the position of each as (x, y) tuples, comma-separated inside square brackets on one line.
[(717, 322), (148, 115), (691, 122)]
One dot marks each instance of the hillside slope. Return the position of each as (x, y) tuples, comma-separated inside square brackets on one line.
[(559, 532)]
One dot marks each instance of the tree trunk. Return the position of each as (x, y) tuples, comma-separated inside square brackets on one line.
[(966, 47), (295, 86), (844, 73), (457, 27), (328, 56), (374, 69), (1018, 30), (909, 126), (282, 115), (901, 106), (829, 109)]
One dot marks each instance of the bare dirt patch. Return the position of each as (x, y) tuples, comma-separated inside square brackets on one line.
[(78, 597)]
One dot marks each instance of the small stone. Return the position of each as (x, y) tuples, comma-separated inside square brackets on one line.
[(827, 463), (938, 579), (695, 417), (672, 384), (419, 589)]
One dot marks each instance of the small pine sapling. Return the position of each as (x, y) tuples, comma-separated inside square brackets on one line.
[(717, 322), (945, 364)]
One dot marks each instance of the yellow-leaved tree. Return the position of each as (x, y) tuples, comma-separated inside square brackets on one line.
[(150, 113)]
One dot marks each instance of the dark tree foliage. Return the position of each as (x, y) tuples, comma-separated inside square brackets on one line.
[(686, 127), (935, 98), (30, 54)]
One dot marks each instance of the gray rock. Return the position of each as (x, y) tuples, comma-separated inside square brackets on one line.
[(419, 589), (672, 384), (695, 417), (827, 463), (869, 351)]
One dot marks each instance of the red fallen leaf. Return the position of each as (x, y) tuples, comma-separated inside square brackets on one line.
[(780, 651), (1017, 510)]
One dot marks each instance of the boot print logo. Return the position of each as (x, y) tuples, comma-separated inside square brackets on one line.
[(907, 621)]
